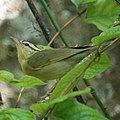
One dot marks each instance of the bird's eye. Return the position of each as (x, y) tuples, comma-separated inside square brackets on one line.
[(30, 46), (26, 44)]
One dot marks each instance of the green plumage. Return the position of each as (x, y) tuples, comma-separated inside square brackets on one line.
[(50, 56), (54, 63)]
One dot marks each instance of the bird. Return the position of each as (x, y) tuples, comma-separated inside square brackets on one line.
[(49, 64)]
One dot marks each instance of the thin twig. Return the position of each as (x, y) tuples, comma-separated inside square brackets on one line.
[(66, 25), (110, 44), (19, 96)]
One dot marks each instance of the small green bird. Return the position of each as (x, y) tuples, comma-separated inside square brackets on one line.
[(48, 64)]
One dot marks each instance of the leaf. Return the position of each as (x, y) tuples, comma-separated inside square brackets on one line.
[(77, 3), (42, 47), (100, 65), (72, 110), (28, 81), (6, 76), (25, 81), (107, 35), (16, 114), (102, 13), (70, 80), (44, 107), (40, 108)]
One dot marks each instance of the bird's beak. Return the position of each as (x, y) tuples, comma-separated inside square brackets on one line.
[(15, 40)]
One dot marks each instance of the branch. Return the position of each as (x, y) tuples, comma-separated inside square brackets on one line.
[(40, 21), (19, 97), (97, 99), (66, 25)]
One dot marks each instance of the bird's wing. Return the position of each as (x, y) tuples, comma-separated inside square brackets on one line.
[(49, 56)]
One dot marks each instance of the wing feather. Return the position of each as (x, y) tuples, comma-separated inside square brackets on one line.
[(49, 56)]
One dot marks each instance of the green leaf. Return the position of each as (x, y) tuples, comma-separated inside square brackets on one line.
[(6, 76), (16, 114), (72, 110), (42, 47), (40, 108), (102, 13), (25, 81), (100, 65), (77, 3), (107, 35), (44, 107), (28, 81)]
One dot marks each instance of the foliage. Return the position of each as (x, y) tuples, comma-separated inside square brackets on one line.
[(99, 65), (25, 81), (72, 110), (44, 107), (102, 20), (42, 47), (107, 35), (61, 103), (77, 3), (16, 114)]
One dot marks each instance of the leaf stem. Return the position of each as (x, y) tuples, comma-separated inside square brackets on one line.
[(97, 99), (54, 22)]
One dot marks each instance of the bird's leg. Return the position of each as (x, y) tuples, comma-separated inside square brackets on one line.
[(48, 93)]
